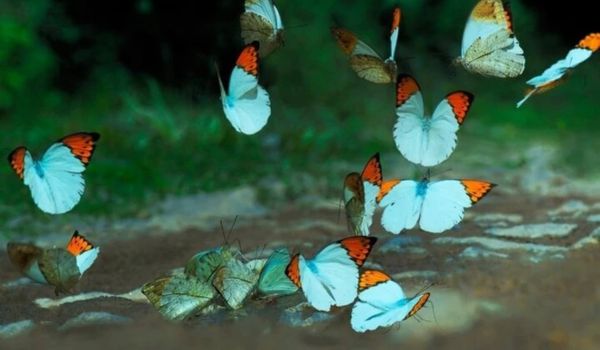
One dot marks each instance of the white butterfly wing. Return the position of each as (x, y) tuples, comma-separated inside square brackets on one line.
[(267, 10), (251, 113), (475, 29), (377, 307), (441, 138), (558, 69), (330, 279), (409, 134), (86, 259), (371, 191), (402, 207), (443, 206), (55, 181)]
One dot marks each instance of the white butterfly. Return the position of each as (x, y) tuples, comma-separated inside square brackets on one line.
[(261, 22), (246, 104), (489, 45), (331, 277), (436, 205), (426, 140), (554, 75), (360, 194), (364, 60), (55, 181), (381, 302)]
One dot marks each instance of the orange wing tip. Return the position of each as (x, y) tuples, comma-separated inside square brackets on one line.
[(248, 59), (406, 86), (477, 189), (371, 278), (396, 15), (461, 102), (358, 247), (508, 15), (293, 271), (82, 145), (386, 187), (16, 159), (345, 39), (419, 305), (78, 244), (372, 170), (590, 42)]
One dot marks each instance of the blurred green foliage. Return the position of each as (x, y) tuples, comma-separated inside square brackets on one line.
[(159, 140)]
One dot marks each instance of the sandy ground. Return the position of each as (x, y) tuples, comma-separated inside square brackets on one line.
[(485, 303)]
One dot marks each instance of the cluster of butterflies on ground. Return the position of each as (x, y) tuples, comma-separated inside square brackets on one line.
[(332, 277)]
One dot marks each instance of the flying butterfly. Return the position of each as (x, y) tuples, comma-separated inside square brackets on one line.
[(360, 193), (436, 205), (261, 22), (59, 267), (55, 181), (558, 72), (331, 277), (489, 44), (382, 302), (364, 60), (426, 140), (246, 104)]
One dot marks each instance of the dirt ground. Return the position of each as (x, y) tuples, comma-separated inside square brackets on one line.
[(550, 304)]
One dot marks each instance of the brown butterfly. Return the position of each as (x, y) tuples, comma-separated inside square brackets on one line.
[(261, 22)]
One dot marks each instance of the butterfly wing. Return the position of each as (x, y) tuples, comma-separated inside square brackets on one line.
[(440, 138), (25, 257), (401, 205), (445, 202), (409, 132), (354, 202), (246, 105), (371, 181), (261, 22), (235, 282), (84, 251), (60, 269), (273, 280), (331, 277), (489, 46), (381, 302), (364, 60), (179, 296)]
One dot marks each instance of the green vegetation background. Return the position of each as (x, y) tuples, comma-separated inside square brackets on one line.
[(159, 140)]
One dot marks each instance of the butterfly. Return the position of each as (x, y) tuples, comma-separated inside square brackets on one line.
[(59, 267), (204, 264), (360, 193), (436, 205), (246, 104), (261, 22), (179, 296), (235, 281), (364, 60), (556, 74), (273, 280), (331, 277), (381, 302), (55, 180), (426, 140), (489, 45)]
